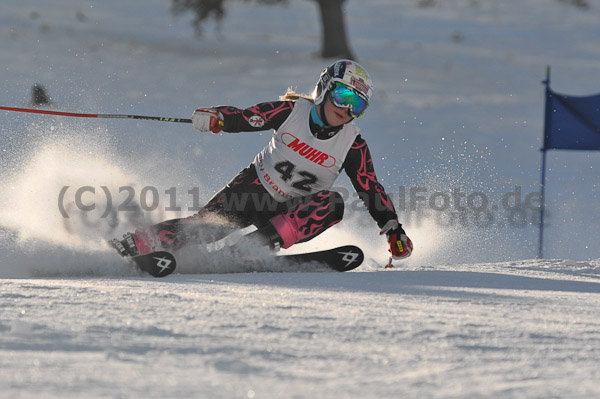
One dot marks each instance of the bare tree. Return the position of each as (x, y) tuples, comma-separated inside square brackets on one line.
[(334, 41)]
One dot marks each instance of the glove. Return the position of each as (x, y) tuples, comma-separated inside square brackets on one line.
[(400, 245), (207, 120)]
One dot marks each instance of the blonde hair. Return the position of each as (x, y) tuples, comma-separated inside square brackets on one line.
[(291, 95)]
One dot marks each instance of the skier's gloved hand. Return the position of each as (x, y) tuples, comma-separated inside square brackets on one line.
[(207, 120), (400, 245)]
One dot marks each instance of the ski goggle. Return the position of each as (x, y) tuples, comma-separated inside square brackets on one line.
[(344, 97)]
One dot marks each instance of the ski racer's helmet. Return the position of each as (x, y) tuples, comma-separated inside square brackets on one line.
[(349, 75)]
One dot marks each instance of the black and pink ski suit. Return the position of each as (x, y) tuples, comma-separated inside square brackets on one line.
[(245, 201)]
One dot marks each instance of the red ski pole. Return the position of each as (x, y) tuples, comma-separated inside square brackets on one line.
[(78, 115)]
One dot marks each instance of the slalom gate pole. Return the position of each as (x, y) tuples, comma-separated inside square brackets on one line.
[(113, 116), (547, 130)]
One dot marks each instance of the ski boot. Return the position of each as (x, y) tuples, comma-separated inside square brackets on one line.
[(267, 236), (125, 247)]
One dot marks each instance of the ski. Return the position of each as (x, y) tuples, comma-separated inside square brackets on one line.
[(157, 264), (341, 259)]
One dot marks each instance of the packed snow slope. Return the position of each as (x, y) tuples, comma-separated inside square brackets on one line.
[(454, 127), (501, 330)]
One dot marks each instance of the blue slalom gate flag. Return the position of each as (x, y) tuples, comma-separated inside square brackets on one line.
[(571, 122)]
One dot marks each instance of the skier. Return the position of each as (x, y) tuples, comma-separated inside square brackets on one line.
[(285, 191)]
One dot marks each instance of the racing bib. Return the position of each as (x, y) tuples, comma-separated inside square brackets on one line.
[(295, 163)]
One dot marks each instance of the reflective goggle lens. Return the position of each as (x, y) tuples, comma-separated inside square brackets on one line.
[(343, 97)]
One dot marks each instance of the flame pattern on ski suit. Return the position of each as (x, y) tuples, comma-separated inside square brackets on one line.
[(309, 218), (244, 201), (359, 168), (259, 117)]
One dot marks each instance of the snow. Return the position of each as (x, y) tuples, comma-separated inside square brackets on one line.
[(489, 330), (458, 106)]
